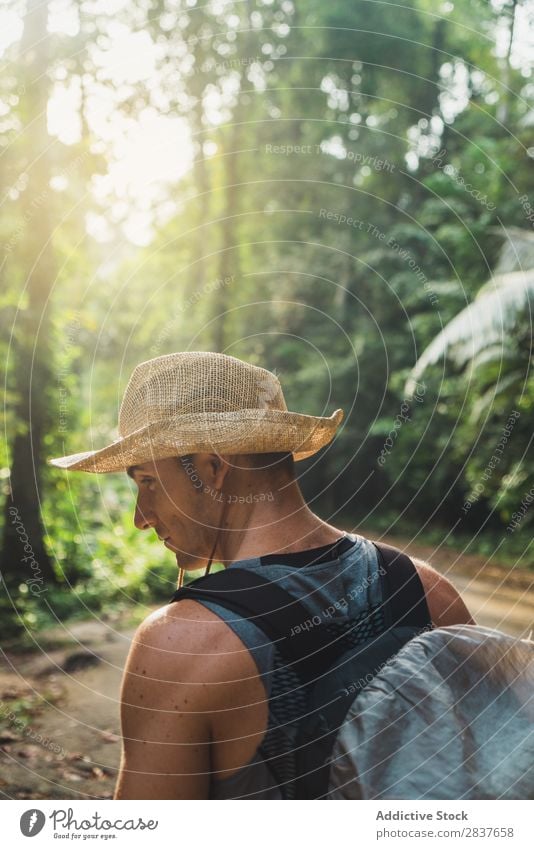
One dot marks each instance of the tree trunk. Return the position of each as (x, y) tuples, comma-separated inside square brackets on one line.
[(24, 557), (202, 201), (229, 254), (503, 108)]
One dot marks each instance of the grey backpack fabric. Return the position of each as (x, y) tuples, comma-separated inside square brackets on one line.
[(451, 716)]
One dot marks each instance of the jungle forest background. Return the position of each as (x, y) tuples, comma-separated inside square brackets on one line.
[(339, 191)]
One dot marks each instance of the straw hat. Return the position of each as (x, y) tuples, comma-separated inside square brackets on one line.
[(195, 401)]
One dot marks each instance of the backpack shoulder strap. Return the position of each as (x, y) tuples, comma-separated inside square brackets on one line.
[(279, 614), (274, 610), (403, 590), (406, 615)]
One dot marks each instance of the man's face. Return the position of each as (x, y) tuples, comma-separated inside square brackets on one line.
[(179, 511)]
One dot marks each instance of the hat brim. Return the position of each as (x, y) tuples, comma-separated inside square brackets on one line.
[(240, 432)]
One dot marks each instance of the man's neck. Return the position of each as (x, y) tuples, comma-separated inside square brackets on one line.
[(273, 528)]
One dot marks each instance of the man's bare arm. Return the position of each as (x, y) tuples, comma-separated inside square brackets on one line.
[(166, 734), (445, 604), (193, 706)]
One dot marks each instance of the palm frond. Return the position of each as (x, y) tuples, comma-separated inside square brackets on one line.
[(486, 321), (490, 354), (517, 250), (491, 394)]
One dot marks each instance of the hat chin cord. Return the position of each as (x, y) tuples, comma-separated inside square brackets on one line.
[(181, 571)]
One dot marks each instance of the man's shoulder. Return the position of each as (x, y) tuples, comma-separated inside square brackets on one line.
[(185, 614), (445, 604), (188, 635)]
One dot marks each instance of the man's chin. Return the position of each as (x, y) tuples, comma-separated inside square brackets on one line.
[(189, 563), (184, 560)]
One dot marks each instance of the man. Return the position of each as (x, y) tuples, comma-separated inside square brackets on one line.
[(210, 444)]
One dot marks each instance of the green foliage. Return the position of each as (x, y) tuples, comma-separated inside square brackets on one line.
[(409, 124)]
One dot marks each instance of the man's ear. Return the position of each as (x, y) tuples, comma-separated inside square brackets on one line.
[(215, 468)]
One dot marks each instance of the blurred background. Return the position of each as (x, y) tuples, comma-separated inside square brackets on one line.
[(340, 192)]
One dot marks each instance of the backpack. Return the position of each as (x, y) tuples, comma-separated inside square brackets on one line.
[(451, 716), (319, 671)]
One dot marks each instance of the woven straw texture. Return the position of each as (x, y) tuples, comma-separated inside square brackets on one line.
[(197, 401)]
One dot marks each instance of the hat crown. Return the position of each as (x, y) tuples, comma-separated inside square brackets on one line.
[(195, 382)]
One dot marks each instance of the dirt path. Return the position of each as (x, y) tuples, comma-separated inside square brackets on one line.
[(67, 745)]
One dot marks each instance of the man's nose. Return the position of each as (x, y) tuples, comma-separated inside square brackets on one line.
[(143, 517)]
